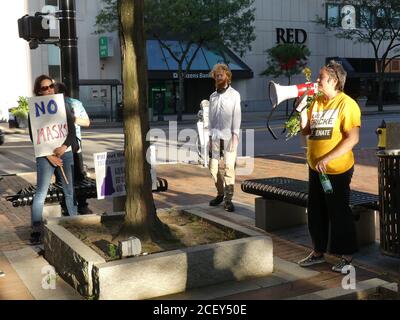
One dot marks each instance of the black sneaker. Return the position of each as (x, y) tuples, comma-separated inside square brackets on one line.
[(2, 274), (228, 206), (216, 201), (64, 211), (84, 210), (311, 259), (35, 238), (341, 265)]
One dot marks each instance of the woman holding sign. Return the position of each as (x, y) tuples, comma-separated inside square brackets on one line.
[(60, 162)]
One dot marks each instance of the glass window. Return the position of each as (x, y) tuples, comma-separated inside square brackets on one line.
[(55, 73), (51, 3), (365, 17), (199, 62), (176, 49), (332, 15), (54, 62), (54, 55), (396, 20), (156, 59), (213, 57)]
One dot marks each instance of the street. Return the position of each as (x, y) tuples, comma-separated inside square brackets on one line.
[(16, 155)]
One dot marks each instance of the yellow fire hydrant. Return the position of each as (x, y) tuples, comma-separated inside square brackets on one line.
[(381, 132)]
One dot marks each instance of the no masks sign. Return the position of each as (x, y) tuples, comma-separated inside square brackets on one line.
[(48, 123)]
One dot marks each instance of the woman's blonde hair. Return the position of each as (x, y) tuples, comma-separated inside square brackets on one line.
[(223, 67), (336, 71)]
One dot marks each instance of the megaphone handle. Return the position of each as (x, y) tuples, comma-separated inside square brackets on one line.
[(268, 126), (290, 115)]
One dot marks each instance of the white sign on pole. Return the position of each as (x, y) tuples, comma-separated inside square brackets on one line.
[(110, 174), (48, 123)]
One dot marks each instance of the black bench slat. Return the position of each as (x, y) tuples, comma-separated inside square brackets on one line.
[(55, 192), (295, 191)]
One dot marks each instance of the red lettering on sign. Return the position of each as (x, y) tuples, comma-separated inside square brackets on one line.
[(66, 129), (49, 135), (60, 129), (40, 133), (54, 128)]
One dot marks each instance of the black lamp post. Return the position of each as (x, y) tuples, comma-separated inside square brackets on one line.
[(69, 47)]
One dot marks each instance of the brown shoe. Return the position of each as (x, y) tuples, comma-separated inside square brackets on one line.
[(228, 206), (216, 201)]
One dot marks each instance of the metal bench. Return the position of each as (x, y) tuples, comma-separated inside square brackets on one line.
[(283, 201), (55, 195)]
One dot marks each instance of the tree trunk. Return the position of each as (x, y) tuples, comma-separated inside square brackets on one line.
[(181, 100), (381, 84), (140, 219), (381, 72)]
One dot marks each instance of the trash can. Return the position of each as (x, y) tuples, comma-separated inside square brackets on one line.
[(389, 201)]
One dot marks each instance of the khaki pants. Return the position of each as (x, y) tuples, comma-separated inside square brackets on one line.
[(223, 173)]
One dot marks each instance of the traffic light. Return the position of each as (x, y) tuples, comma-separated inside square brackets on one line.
[(33, 28)]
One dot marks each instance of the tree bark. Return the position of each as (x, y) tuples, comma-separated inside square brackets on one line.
[(381, 72), (181, 100), (140, 219)]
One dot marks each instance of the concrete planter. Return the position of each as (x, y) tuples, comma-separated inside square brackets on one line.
[(158, 274)]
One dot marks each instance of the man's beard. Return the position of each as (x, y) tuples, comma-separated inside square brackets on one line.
[(222, 84)]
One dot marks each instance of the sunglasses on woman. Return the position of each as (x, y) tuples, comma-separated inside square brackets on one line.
[(45, 88)]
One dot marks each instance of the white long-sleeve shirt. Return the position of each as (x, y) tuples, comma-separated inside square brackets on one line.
[(224, 114)]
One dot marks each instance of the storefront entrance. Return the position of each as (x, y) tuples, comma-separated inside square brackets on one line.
[(162, 98)]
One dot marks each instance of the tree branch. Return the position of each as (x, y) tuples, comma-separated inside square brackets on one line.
[(189, 65), (162, 44)]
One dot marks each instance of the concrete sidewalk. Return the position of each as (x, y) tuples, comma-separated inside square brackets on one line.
[(192, 185)]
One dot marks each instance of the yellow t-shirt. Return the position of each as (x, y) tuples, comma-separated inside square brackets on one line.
[(329, 120)]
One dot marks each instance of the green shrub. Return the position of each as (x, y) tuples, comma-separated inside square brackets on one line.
[(22, 110)]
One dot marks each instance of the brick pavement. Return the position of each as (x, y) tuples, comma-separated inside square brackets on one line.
[(188, 184)]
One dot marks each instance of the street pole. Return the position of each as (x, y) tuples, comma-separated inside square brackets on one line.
[(69, 47)]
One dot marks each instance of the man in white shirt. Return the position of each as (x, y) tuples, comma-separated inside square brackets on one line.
[(224, 126)]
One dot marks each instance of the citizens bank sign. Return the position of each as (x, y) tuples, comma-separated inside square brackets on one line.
[(197, 75)]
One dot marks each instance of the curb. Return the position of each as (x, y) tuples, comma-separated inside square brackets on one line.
[(246, 117)]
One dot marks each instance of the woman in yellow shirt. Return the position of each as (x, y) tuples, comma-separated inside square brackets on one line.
[(332, 124)]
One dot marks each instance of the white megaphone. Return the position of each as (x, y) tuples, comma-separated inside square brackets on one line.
[(278, 93)]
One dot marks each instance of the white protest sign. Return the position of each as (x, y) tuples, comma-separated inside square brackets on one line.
[(110, 174), (48, 123)]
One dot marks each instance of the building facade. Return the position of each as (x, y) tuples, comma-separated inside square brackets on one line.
[(277, 21)]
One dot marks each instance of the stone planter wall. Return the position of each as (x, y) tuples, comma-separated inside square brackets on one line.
[(157, 274)]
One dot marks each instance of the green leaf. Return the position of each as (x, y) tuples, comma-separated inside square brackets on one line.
[(22, 110), (286, 59)]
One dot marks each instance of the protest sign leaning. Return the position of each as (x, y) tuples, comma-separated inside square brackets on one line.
[(110, 173)]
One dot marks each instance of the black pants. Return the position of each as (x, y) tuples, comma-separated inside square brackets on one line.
[(79, 175), (330, 219)]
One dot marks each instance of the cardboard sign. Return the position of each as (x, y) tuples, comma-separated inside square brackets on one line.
[(110, 174), (48, 123)]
